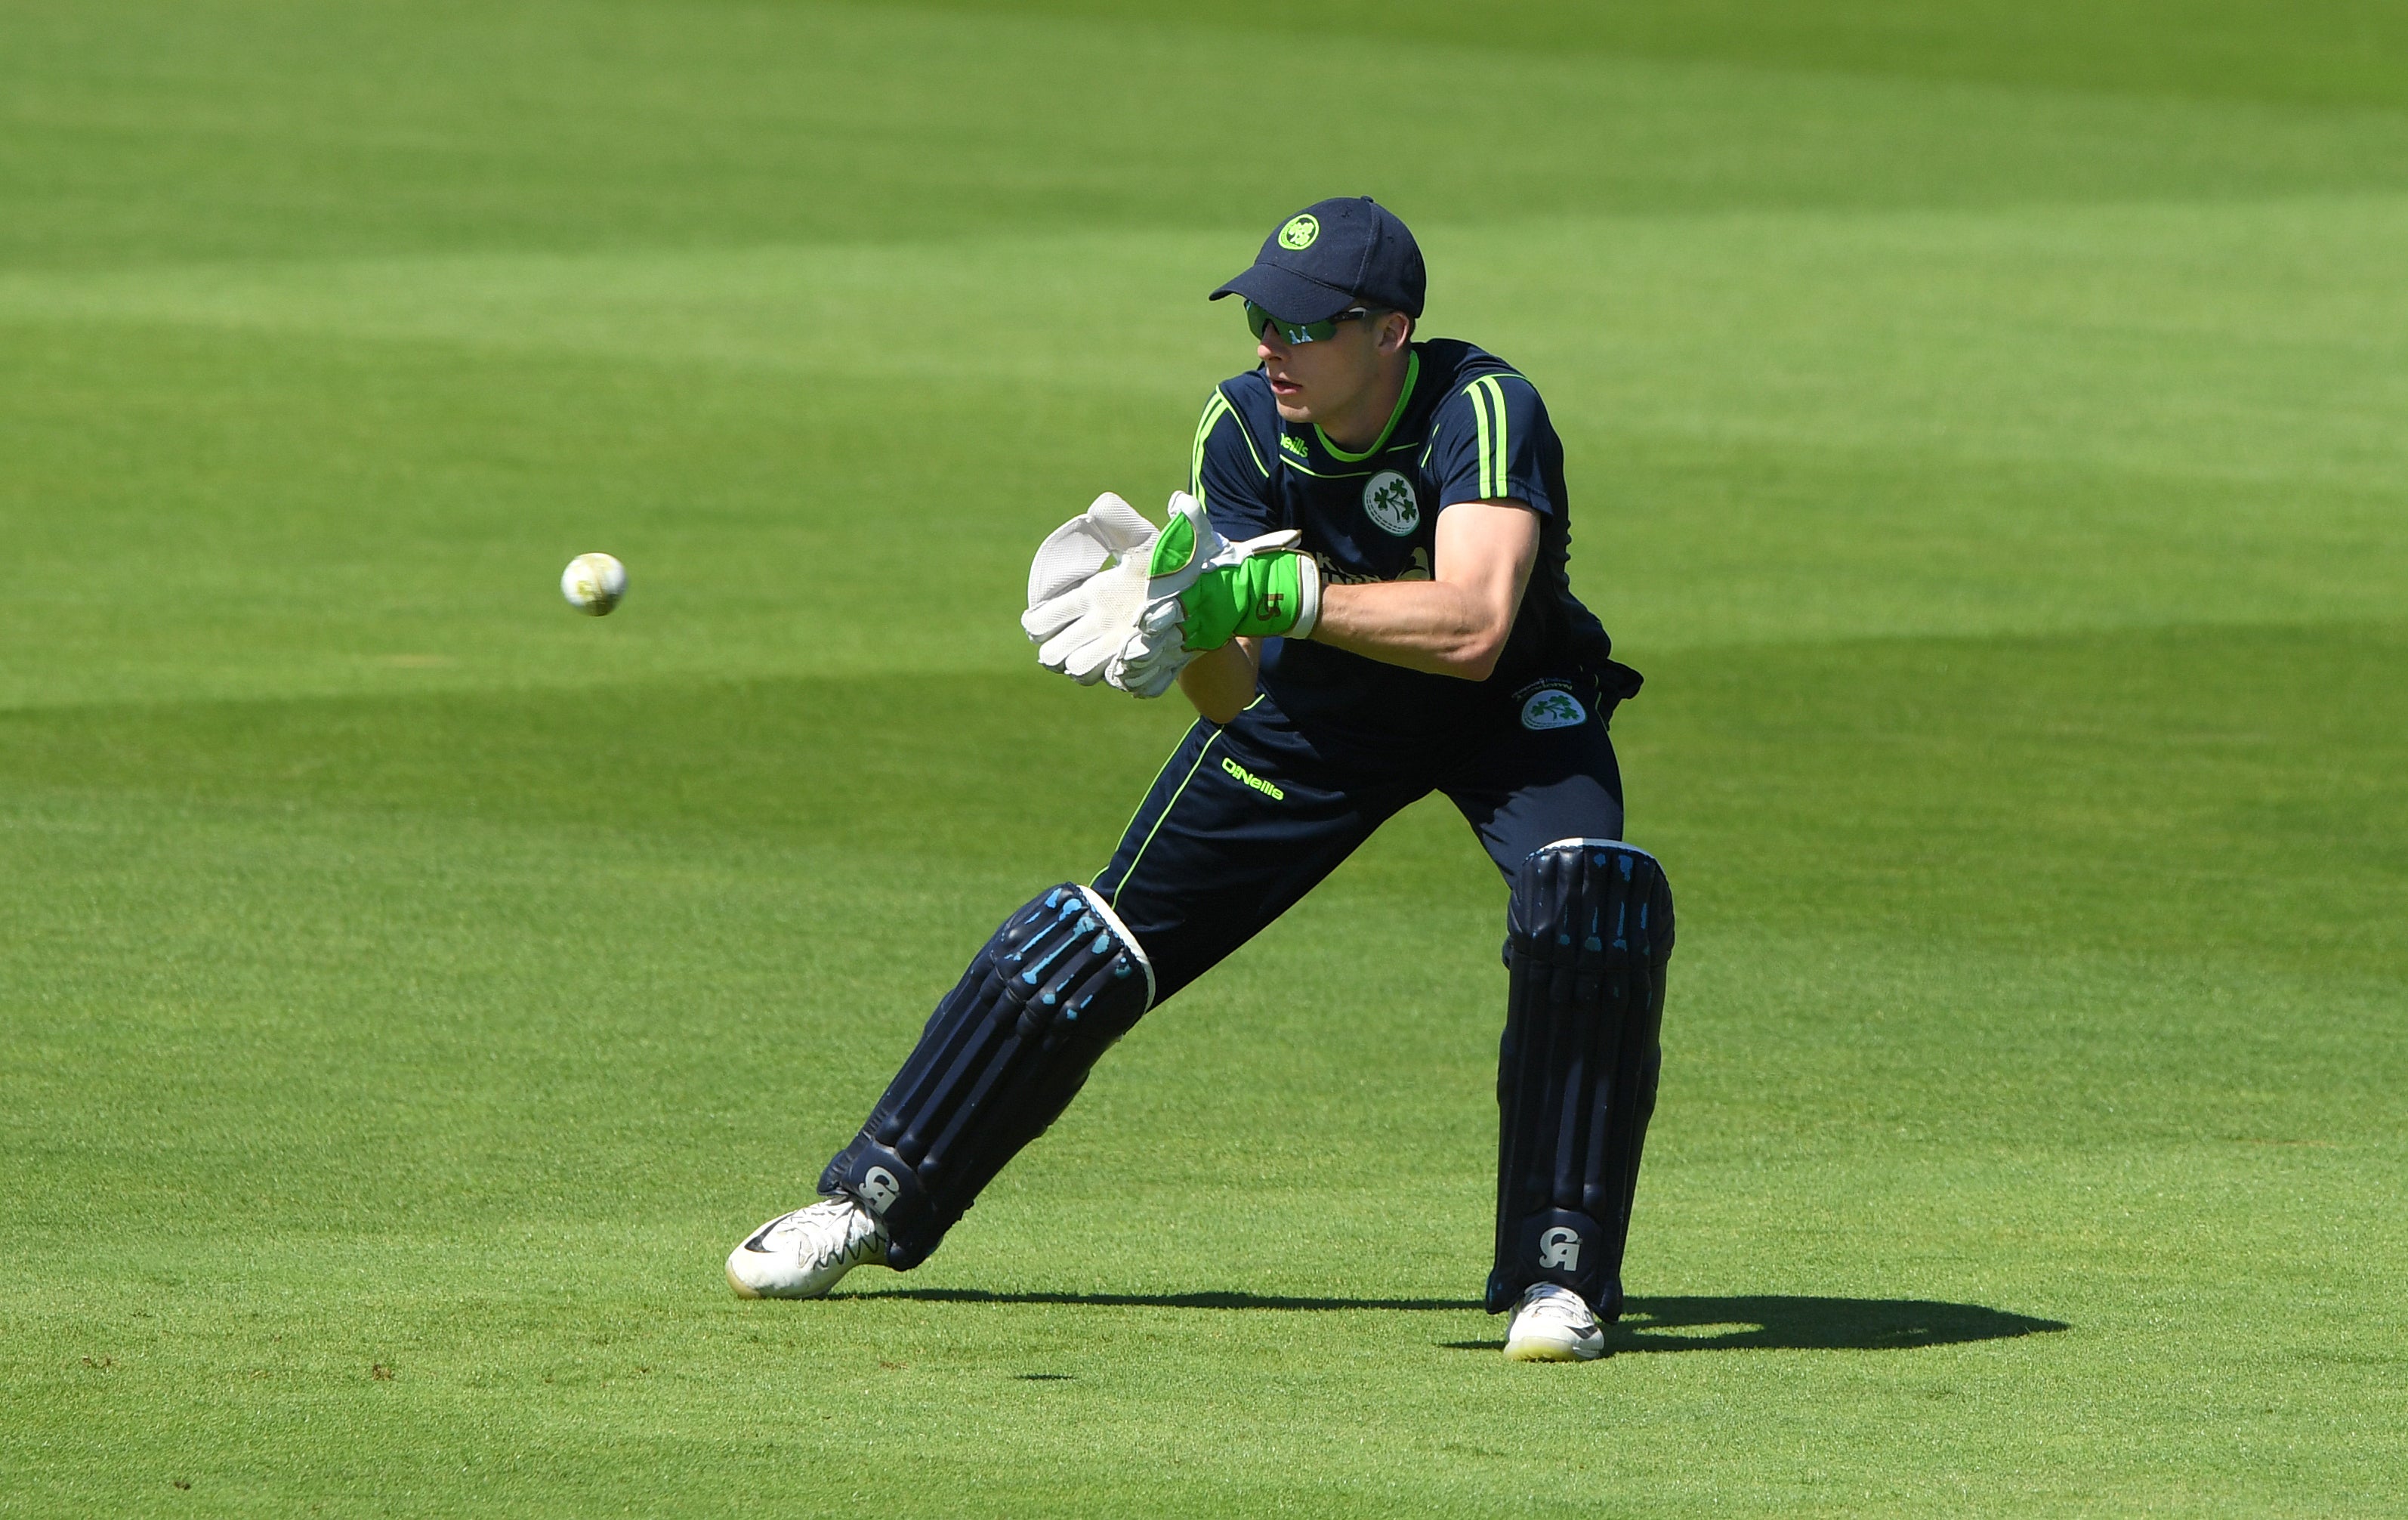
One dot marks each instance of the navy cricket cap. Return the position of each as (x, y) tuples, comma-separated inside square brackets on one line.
[(1332, 255)]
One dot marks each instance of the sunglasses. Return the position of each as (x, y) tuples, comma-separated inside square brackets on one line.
[(1258, 320)]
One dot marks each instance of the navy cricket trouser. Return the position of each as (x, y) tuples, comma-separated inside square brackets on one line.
[(1247, 817)]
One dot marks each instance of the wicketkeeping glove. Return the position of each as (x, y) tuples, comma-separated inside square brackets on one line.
[(1203, 591), (1087, 587)]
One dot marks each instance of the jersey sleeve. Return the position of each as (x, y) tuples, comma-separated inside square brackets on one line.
[(1228, 474), (1487, 442)]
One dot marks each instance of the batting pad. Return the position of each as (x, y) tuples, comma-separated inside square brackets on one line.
[(1589, 935), (999, 1060)]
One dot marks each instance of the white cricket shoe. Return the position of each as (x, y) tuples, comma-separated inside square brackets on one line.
[(803, 1253), (1552, 1323)]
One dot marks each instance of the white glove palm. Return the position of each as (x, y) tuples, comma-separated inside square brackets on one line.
[(1086, 586)]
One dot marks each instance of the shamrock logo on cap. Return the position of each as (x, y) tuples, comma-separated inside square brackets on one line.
[(1300, 232)]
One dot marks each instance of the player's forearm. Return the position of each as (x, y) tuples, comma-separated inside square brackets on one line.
[(1432, 625), (1220, 682)]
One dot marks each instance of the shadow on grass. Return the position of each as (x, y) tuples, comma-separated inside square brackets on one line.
[(1160, 1300), (1759, 1323), (1782, 1322)]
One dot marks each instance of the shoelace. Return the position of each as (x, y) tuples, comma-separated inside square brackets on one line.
[(1562, 1308), (834, 1236)]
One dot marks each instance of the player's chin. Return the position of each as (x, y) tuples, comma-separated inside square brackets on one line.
[(1292, 405)]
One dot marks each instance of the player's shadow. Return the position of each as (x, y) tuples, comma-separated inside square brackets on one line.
[(1764, 1321), (1778, 1322), (1159, 1300)]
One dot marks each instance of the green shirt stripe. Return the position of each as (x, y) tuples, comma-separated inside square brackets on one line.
[(1480, 418), (1215, 410), (1212, 410), (1495, 447), (1499, 481)]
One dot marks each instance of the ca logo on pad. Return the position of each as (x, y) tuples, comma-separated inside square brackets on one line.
[(879, 1189), (1559, 1248), (1388, 501)]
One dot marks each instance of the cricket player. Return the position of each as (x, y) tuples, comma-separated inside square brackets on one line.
[(1363, 593)]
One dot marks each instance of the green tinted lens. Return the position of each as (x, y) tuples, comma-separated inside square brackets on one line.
[(1309, 332)]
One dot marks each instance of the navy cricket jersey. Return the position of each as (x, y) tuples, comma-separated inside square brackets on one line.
[(1468, 428)]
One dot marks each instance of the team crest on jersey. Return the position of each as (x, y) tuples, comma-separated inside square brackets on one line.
[(1388, 500), (1552, 707)]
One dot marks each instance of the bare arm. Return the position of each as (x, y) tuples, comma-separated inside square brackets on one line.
[(1221, 682), (1455, 623)]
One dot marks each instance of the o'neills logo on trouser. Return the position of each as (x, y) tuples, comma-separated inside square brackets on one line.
[(1249, 779)]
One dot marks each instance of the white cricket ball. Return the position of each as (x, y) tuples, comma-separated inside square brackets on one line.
[(593, 583)]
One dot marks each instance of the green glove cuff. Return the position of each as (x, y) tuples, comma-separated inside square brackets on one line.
[(1261, 596)]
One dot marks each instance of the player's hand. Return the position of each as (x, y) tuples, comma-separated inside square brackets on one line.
[(1205, 591), (1086, 586)]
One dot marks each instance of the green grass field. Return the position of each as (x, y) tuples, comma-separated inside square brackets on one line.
[(1988, 429)]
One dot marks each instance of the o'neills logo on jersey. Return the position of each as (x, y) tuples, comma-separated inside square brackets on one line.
[(1553, 708), (1388, 501)]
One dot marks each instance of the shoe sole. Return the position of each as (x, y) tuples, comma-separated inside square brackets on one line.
[(1554, 1350), (746, 1290)]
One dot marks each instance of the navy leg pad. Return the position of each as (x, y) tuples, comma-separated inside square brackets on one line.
[(1589, 937), (1001, 1058)]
